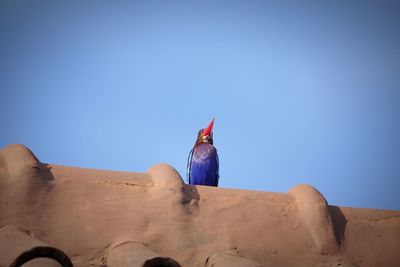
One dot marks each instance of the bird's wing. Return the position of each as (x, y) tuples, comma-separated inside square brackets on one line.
[(189, 165), (217, 159)]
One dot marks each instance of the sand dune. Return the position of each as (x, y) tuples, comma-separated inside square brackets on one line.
[(88, 217)]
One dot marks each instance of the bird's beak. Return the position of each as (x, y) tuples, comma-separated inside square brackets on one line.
[(208, 130)]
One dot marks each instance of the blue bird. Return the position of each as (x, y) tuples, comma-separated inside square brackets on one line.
[(203, 163)]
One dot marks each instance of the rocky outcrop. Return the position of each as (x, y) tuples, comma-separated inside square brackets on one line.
[(136, 255), (20, 248), (314, 210), (53, 215)]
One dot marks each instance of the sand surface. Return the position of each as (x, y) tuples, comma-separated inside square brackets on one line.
[(109, 218)]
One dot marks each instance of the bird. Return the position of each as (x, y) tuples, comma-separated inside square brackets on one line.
[(203, 161)]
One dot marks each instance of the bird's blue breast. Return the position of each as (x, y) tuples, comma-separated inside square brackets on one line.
[(204, 165)]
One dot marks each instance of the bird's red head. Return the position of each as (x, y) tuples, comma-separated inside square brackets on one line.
[(206, 135)]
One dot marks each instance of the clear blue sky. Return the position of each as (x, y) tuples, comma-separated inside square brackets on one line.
[(301, 92)]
